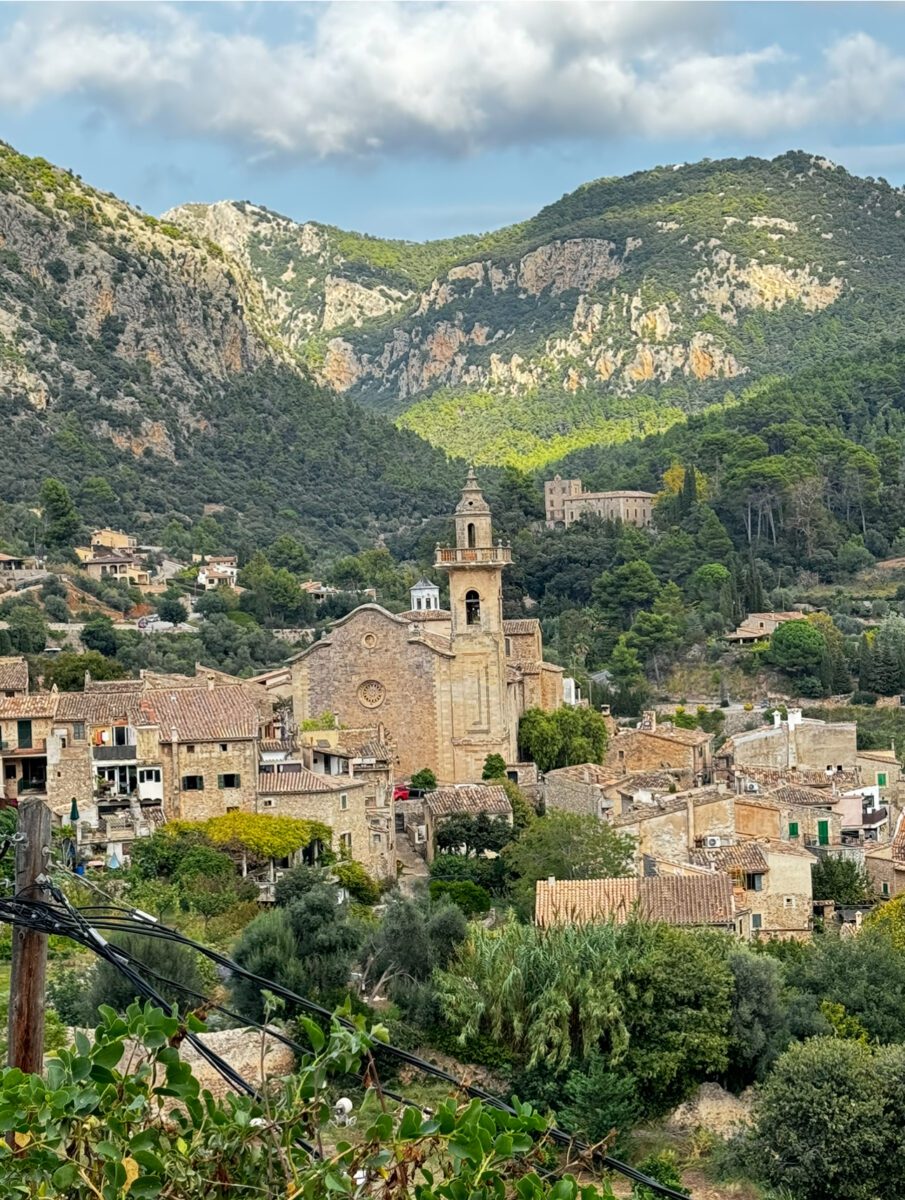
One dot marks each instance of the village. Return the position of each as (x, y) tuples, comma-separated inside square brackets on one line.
[(725, 830)]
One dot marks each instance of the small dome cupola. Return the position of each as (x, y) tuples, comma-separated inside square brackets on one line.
[(425, 596)]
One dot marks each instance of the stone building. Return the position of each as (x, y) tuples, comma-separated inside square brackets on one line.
[(886, 865), (828, 746), (26, 723), (336, 800), (439, 681), (209, 754), (654, 747), (565, 502), (758, 626), (772, 880), (463, 801), (579, 789), (13, 677)]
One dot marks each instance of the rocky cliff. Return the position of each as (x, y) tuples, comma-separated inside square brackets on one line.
[(143, 362), (652, 295)]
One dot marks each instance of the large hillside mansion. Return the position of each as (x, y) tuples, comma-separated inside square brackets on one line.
[(449, 685), (565, 502)]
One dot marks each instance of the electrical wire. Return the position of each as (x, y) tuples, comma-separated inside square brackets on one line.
[(49, 919)]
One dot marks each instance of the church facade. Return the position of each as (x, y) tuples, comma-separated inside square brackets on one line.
[(449, 685)]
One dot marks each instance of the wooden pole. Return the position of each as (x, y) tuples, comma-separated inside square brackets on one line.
[(29, 965)]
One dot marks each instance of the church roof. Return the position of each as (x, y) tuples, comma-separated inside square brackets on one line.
[(427, 614), (522, 625), (424, 583)]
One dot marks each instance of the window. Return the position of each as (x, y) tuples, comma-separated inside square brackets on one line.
[(149, 775), (343, 801), (472, 608), (78, 731), (470, 534), (345, 841), (193, 783), (788, 901), (120, 735), (267, 803), (9, 771), (229, 781), (881, 779), (23, 734), (224, 746), (757, 921), (793, 829), (885, 889), (190, 749), (232, 808), (754, 882)]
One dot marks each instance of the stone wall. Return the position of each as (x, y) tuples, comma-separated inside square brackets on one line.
[(328, 808), (637, 750), (562, 793), (669, 835), (785, 904), (811, 746), (209, 760)]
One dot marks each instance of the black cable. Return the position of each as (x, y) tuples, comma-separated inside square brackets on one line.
[(90, 938)]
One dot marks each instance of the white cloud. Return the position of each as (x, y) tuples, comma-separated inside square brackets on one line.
[(380, 79)]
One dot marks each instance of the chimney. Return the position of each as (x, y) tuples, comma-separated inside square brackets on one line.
[(649, 721), (689, 820), (794, 718), (777, 719), (551, 879)]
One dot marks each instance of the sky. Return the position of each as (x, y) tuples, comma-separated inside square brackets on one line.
[(423, 120)]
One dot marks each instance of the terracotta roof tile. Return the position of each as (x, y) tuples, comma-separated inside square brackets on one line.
[(676, 899), (426, 614), (521, 627), (470, 798), (202, 714), (805, 796), (39, 704), (303, 781), (584, 773), (98, 706), (13, 675), (745, 856)]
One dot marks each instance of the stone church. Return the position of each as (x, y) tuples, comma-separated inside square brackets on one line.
[(448, 685)]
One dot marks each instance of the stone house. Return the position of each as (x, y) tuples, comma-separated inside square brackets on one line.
[(26, 723), (669, 827), (13, 677), (338, 801), (9, 562), (886, 865), (758, 626), (117, 564), (578, 789), (803, 816), (699, 901), (208, 738), (827, 746), (654, 747), (464, 800), (882, 769), (772, 880)]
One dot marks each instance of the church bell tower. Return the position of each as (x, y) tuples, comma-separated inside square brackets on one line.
[(475, 566), (478, 689)]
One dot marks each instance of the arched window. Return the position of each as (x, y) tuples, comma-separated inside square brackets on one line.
[(471, 536), (472, 608)]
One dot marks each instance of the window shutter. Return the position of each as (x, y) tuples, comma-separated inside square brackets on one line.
[(793, 829), (220, 781)]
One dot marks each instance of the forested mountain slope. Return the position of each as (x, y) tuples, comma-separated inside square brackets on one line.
[(140, 365), (610, 314)]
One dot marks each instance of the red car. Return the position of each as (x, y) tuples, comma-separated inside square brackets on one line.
[(400, 792)]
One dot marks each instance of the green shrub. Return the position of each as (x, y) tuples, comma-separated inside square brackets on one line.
[(470, 897), (357, 882)]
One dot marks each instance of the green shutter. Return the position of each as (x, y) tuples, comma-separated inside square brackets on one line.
[(793, 829), (823, 833), (881, 779), (220, 783)]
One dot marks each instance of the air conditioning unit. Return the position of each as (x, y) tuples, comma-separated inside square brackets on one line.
[(751, 787), (712, 842)]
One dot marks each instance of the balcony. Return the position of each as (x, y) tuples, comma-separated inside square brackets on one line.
[(114, 753), (473, 556)]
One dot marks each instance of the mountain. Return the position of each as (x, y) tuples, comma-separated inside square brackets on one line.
[(143, 366), (613, 313)]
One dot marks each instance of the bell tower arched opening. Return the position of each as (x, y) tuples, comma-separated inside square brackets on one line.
[(472, 608), (471, 537)]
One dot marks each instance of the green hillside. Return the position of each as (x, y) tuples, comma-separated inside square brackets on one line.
[(625, 305), (139, 365)]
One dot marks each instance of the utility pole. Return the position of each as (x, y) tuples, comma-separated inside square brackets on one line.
[(29, 966)]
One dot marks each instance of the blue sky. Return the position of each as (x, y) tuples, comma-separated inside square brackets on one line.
[(428, 119)]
